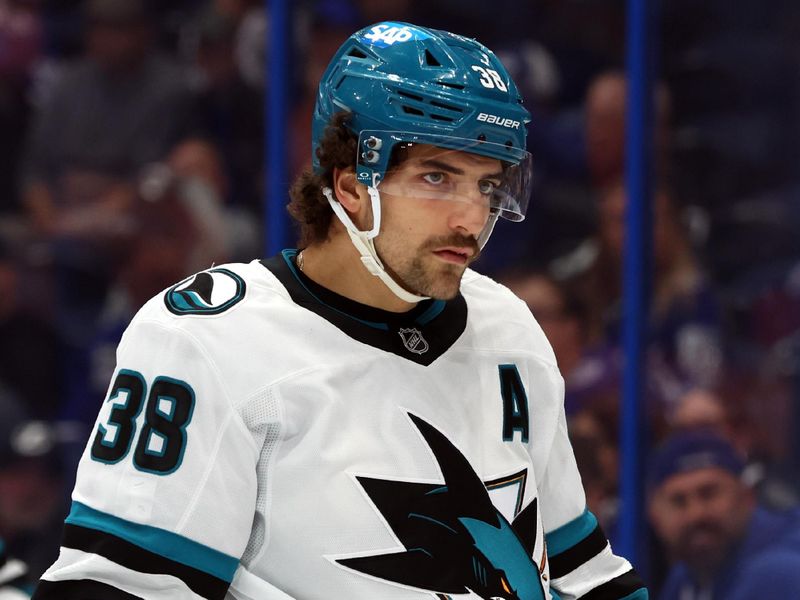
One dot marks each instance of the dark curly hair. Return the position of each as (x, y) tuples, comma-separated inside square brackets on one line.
[(308, 207)]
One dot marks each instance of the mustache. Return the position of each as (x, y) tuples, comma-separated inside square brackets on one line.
[(456, 240), (701, 527)]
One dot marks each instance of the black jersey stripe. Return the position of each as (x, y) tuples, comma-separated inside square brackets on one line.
[(628, 586), (572, 558), (136, 558), (79, 589)]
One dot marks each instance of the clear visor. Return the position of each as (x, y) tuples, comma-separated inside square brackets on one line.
[(453, 169)]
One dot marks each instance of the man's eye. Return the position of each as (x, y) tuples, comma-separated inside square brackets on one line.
[(434, 178), (486, 187)]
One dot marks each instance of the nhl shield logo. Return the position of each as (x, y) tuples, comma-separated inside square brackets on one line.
[(413, 341)]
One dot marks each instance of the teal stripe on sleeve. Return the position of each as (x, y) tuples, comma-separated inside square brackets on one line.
[(568, 535), (158, 541)]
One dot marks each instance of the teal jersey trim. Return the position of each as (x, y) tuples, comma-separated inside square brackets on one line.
[(288, 255), (640, 594), (158, 541), (433, 311), (567, 536)]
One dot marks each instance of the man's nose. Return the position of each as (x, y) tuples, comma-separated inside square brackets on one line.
[(697, 509), (469, 214)]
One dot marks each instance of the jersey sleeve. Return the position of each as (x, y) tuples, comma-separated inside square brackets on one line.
[(165, 492), (582, 564)]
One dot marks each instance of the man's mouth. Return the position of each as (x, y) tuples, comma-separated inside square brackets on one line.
[(454, 254)]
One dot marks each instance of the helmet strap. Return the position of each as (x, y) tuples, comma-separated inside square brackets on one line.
[(363, 240)]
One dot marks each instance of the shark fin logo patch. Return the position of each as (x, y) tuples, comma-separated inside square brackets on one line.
[(456, 542), (206, 293)]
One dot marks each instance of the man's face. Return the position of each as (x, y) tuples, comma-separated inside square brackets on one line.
[(700, 515), (613, 207), (434, 206)]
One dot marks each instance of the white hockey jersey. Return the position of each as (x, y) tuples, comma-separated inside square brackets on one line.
[(264, 438)]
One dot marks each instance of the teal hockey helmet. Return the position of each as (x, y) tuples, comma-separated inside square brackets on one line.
[(404, 84)]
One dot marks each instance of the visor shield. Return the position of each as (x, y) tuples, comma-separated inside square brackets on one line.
[(447, 168)]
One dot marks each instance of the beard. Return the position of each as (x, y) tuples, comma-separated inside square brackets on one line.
[(421, 272), (704, 546)]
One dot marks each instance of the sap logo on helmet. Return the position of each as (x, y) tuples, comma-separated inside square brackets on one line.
[(389, 33), (502, 121)]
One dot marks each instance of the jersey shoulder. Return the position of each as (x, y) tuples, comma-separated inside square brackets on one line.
[(216, 308), (218, 292), (221, 321), (493, 306)]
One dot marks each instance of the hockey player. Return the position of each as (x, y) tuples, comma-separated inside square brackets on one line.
[(366, 418)]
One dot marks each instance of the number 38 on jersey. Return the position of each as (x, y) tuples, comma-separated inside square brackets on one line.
[(162, 440)]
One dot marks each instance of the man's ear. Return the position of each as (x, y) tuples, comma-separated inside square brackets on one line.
[(353, 196), (345, 188)]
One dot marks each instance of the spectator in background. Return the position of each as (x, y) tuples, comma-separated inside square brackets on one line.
[(30, 347), (194, 174), (115, 110), (582, 154), (21, 37), (21, 46), (229, 108), (112, 112), (701, 408), (32, 493), (725, 546), (684, 341), (722, 412), (605, 110)]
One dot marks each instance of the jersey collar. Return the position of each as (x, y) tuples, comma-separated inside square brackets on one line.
[(421, 334)]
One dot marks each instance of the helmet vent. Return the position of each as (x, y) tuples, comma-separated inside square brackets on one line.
[(446, 106), (410, 110), (411, 96), (455, 86), (441, 118), (356, 53), (431, 60)]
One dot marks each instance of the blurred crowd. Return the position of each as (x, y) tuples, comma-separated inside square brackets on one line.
[(132, 155)]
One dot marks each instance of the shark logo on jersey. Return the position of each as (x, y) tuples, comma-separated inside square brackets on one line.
[(456, 541), (413, 340), (206, 293)]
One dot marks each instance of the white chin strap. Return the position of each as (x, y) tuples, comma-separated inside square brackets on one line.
[(363, 240)]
